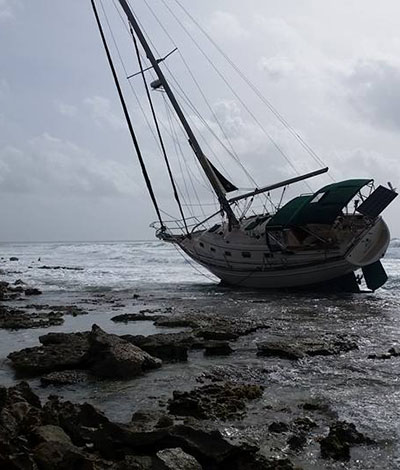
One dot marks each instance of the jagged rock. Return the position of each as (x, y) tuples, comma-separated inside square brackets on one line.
[(381, 357), (208, 447), (217, 348), (3, 396), (331, 346), (15, 319), (135, 462), (392, 352), (14, 258), (63, 456), (111, 356), (60, 267), (79, 422), (32, 291), (176, 459), (297, 441), (172, 322), (16, 461), (319, 406), (23, 392), (17, 289), (259, 462), (341, 437), (304, 423), (295, 350), (149, 420), (78, 340), (50, 433), (128, 317), (65, 377), (218, 335), (214, 401), (52, 356), (283, 351), (278, 427), (171, 347)]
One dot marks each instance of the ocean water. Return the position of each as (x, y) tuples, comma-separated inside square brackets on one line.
[(107, 275), (99, 266)]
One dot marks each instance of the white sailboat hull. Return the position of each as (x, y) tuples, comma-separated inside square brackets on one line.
[(284, 278), (240, 260)]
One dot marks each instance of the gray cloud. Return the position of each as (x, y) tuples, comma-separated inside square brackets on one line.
[(66, 160), (374, 91), (101, 112), (7, 9), (49, 165)]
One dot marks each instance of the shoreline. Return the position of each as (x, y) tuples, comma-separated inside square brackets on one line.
[(304, 370)]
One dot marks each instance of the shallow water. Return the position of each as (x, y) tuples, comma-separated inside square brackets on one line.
[(360, 390)]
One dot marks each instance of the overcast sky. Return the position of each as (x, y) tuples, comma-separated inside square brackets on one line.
[(67, 167)]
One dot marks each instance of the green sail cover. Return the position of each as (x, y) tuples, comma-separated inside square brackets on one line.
[(321, 207)]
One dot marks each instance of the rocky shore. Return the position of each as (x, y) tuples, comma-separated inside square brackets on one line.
[(231, 416)]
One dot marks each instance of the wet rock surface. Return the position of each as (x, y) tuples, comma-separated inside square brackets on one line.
[(59, 351), (394, 351), (64, 435), (342, 436), (293, 349), (104, 355), (176, 459), (113, 357), (293, 422), (131, 317), (11, 291), (226, 401), (65, 377), (168, 347), (17, 319), (217, 348)]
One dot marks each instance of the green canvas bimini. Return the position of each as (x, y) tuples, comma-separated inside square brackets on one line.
[(321, 207)]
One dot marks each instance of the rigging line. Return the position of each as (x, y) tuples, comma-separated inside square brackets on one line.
[(125, 70), (127, 116), (205, 183), (133, 90), (130, 84), (178, 145), (189, 261), (136, 97), (180, 96), (153, 112), (285, 156), (230, 151), (185, 99), (177, 153), (269, 105)]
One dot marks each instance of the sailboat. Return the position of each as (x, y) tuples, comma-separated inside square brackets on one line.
[(324, 237)]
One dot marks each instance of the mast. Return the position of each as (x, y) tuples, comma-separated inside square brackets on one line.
[(192, 138)]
